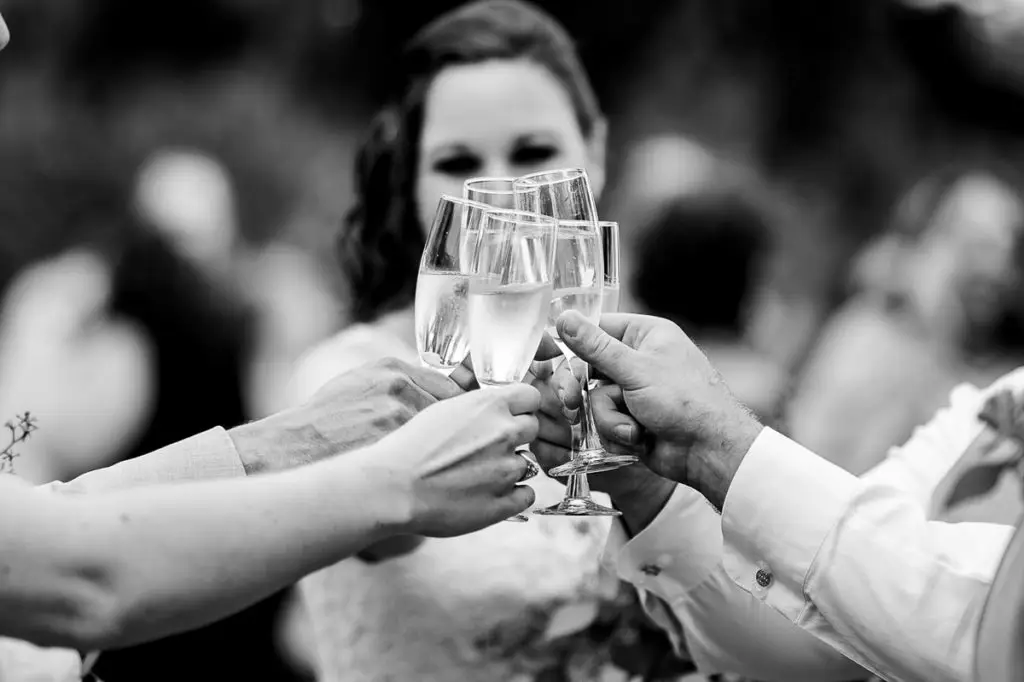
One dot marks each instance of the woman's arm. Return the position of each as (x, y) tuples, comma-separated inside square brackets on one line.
[(96, 571), (112, 570)]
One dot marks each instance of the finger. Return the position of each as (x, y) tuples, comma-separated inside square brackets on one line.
[(554, 429), (464, 377), (602, 350), (433, 382), (547, 349), (613, 422), (519, 398), (540, 370), (511, 469), (524, 428), (405, 384), (549, 455), (549, 402), (519, 500), (567, 387)]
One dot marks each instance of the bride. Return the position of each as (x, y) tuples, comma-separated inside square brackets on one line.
[(493, 88)]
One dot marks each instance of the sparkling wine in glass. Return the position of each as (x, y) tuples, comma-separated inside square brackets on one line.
[(496, 192), (578, 285), (509, 294), (442, 288)]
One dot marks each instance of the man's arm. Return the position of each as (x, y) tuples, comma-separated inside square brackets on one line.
[(676, 565), (351, 411), (953, 564), (207, 456), (854, 562)]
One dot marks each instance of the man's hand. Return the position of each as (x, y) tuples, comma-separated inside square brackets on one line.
[(354, 410), (696, 432), (636, 491)]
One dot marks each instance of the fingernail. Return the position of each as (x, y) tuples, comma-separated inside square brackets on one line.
[(625, 433), (561, 395), (569, 325)]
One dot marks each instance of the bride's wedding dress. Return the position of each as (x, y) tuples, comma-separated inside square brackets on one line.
[(492, 606)]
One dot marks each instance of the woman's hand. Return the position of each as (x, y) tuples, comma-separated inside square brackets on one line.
[(455, 462)]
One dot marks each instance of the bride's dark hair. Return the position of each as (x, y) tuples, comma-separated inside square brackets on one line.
[(380, 243)]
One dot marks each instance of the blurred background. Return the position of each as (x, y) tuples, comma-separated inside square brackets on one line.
[(827, 196)]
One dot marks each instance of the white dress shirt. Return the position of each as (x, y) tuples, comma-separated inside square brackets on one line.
[(809, 568)]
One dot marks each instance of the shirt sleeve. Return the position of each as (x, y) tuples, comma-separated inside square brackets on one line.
[(851, 568), (856, 562), (208, 455), (676, 566)]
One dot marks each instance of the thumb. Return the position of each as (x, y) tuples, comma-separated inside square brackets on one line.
[(608, 355)]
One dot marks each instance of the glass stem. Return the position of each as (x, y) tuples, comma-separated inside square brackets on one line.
[(585, 438), (577, 487)]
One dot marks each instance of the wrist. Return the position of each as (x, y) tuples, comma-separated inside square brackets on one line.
[(710, 462), (388, 490), (642, 502)]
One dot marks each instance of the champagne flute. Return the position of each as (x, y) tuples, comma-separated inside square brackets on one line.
[(495, 192), (610, 245), (442, 287), (579, 280), (609, 235), (509, 295)]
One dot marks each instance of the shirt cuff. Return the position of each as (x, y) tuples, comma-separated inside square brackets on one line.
[(208, 455), (782, 504), (676, 552)]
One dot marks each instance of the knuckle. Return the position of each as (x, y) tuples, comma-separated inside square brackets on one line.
[(507, 438), (398, 382), (391, 414), (599, 344)]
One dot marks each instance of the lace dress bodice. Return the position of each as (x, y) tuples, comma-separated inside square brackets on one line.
[(493, 605)]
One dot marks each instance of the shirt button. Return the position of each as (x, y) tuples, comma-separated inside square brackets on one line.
[(763, 577), (651, 570)]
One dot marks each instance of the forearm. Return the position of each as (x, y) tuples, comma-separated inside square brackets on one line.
[(133, 566)]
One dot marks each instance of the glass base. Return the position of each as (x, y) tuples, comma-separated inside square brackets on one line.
[(575, 506), (592, 462), (518, 518)]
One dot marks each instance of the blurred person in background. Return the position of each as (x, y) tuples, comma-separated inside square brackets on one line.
[(655, 173), (189, 196), (939, 301), (493, 88), (702, 261), (149, 327)]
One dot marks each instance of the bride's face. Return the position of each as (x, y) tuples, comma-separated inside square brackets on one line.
[(496, 118)]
